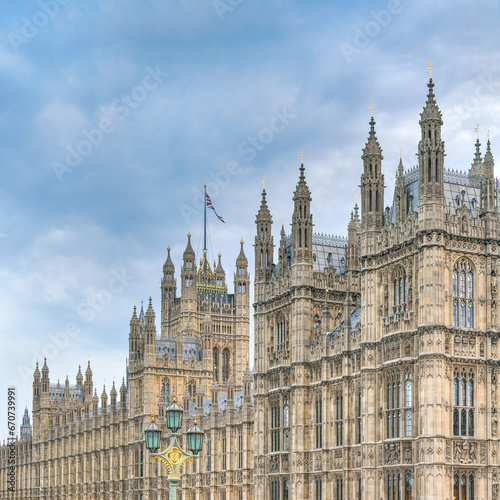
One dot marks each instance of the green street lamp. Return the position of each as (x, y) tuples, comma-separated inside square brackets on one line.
[(174, 457)]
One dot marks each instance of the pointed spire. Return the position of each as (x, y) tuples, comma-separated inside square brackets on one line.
[(150, 310), (219, 270), (400, 172), (242, 259), (45, 368), (189, 252), (372, 146), (475, 169), (263, 214), (168, 267), (301, 190), (431, 109), (488, 162)]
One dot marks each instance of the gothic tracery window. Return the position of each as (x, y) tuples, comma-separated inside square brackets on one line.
[(463, 403), (393, 411), (216, 364), (399, 292), (225, 365), (463, 486), (165, 390), (463, 294)]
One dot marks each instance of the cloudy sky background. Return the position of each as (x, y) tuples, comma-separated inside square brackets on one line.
[(185, 91)]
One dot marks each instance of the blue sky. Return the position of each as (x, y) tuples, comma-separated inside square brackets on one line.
[(113, 116)]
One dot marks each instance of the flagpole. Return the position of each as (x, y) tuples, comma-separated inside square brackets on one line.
[(205, 221)]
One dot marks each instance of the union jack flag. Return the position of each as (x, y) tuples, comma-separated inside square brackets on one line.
[(209, 205)]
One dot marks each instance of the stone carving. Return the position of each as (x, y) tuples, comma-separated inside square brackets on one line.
[(465, 452), (407, 453), (392, 454), (274, 464)]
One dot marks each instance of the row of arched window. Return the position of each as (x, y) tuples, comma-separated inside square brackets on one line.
[(165, 389), (394, 486), (462, 293)]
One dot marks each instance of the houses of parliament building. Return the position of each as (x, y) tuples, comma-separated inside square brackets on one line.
[(376, 365)]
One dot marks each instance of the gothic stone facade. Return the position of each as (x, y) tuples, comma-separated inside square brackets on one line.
[(376, 358)]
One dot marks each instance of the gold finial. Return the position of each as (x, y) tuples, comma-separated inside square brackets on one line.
[(263, 182), (301, 155), (219, 255), (168, 248), (488, 135), (150, 293), (195, 420), (134, 300), (476, 130), (153, 417), (355, 195), (429, 68), (242, 241), (400, 153), (189, 234), (370, 107), (205, 186)]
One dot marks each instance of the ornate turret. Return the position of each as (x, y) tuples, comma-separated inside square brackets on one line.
[(282, 254), (113, 397), (431, 165), (45, 380), (400, 204), (104, 401), (264, 246), (134, 338), (489, 194), (66, 391), (79, 377), (168, 292), (123, 397), (352, 249), (372, 185), (150, 327), (220, 274), (476, 168), (95, 405), (37, 388), (302, 224), (242, 302), (188, 273), (26, 425)]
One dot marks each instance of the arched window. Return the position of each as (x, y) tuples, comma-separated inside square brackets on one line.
[(286, 424), (281, 330), (408, 404), (400, 285), (393, 411), (225, 365), (216, 364), (463, 403), (463, 294), (408, 486), (165, 389), (192, 389)]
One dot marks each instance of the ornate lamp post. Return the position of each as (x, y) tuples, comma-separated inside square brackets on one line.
[(174, 457)]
